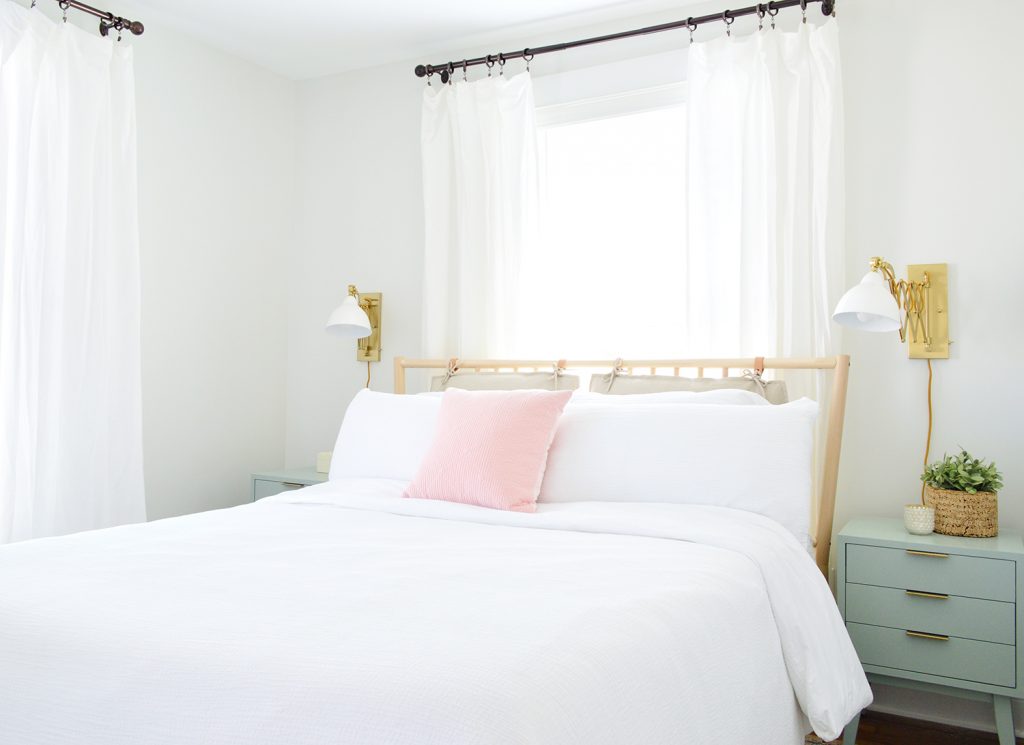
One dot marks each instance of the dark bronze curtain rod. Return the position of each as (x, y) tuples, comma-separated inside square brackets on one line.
[(446, 69), (107, 20)]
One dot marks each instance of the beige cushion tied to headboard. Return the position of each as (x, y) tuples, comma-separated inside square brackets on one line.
[(617, 382), (475, 380)]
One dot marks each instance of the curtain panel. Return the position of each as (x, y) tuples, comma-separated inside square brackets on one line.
[(480, 204), (70, 401), (765, 193)]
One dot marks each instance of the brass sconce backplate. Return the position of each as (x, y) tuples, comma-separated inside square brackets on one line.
[(930, 338), (369, 348)]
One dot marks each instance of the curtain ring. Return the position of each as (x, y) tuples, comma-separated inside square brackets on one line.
[(464, 66), (772, 12), (760, 16), (691, 26), (527, 56), (64, 7), (803, 10), (728, 20), (501, 64), (451, 71), (490, 64)]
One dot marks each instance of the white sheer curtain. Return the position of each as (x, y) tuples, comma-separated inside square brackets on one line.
[(70, 403), (765, 198), (480, 190), (765, 194)]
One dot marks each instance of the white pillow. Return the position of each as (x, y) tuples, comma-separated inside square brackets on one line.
[(754, 458), (384, 436), (719, 396)]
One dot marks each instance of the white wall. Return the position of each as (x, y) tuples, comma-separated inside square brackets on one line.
[(216, 166), (216, 161), (359, 221), (934, 155)]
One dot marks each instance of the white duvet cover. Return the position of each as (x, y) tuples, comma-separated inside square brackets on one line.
[(343, 614)]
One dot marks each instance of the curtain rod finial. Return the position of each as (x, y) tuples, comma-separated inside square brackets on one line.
[(421, 70)]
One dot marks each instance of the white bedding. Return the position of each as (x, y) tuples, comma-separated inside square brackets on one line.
[(343, 614)]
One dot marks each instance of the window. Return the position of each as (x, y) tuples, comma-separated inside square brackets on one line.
[(604, 279)]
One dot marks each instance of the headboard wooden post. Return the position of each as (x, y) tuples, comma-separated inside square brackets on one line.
[(840, 367), (830, 465), (399, 374)]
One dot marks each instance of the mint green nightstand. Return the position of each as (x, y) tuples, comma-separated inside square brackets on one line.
[(269, 483), (935, 612)]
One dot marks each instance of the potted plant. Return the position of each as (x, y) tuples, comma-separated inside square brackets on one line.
[(962, 489)]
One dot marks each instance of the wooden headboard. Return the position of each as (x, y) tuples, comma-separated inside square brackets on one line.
[(839, 366)]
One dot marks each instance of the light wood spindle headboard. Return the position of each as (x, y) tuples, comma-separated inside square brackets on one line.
[(833, 417)]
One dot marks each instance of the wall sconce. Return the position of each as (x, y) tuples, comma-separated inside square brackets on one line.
[(918, 305), (358, 317)]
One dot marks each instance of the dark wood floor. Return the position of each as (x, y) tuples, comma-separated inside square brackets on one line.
[(886, 729)]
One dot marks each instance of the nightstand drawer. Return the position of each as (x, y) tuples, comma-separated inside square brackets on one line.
[(950, 574), (969, 618), (959, 659)]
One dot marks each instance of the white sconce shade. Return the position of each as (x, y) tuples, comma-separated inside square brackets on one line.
[(349, 320), (869, 306)]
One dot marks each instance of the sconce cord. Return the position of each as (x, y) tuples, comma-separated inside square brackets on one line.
[(928, 440), (368, 375)]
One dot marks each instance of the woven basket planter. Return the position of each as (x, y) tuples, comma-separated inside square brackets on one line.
[(960, 513)]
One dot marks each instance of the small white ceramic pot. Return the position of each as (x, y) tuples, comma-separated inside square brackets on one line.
[(918, 519)]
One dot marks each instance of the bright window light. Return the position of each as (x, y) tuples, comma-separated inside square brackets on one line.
[(605, 277)]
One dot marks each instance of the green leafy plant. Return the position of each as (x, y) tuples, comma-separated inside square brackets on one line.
[(963, 473)]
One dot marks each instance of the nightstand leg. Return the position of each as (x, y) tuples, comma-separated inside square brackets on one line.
[(850, 732), (1004, 720)]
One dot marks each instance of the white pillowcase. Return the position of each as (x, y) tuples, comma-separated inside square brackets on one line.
[(384, 436), (754, 458), (719, 396)]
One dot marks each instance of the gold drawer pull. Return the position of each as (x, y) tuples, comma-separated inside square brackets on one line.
[(292, 483), (927, 553), (923, 635), (932, 595)]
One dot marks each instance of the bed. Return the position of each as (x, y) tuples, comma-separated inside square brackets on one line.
[(344, 613)]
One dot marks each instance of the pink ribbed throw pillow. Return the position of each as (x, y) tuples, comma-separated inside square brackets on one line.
[(490, 448)]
